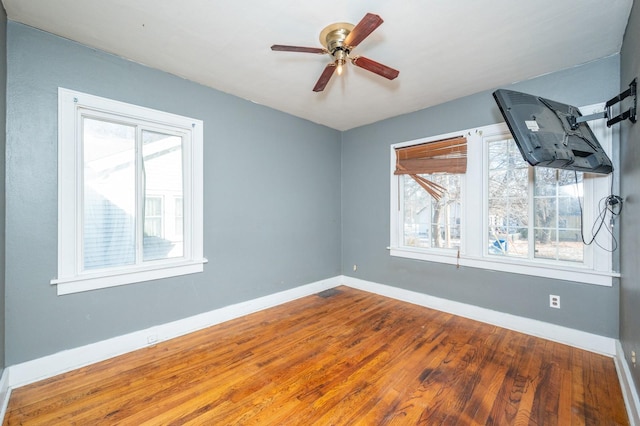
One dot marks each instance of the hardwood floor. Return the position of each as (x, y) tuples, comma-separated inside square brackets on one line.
[(337, 358)]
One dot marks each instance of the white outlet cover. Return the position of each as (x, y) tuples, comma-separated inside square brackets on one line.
[(554, 301)]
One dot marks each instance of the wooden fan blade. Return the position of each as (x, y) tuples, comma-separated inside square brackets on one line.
[(375, 67), (362, 30), (283, 48), (324, 78)]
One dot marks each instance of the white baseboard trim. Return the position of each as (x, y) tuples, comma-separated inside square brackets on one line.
[(61, 362), (629, 392), (5, 392), (568, 336)]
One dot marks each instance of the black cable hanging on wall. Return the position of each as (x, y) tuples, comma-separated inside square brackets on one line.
[(611, 206)]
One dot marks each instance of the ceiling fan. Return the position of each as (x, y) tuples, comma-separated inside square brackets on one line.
[(339, 40)]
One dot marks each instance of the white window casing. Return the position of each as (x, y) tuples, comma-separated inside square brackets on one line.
[(72, 277)]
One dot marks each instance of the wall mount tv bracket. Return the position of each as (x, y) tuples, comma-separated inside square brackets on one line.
[(630, 114)]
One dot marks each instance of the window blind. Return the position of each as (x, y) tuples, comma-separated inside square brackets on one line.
[(443, 156)]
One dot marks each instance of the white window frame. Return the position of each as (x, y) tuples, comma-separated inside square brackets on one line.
[(71, 107), (597, 266)]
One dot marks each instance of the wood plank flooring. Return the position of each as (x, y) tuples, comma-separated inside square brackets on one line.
[(341, 357)]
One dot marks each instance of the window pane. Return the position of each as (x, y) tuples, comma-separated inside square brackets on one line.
[(518, 179), (519, 242), (512, 212), (557, 209), (498, 155), (569, 213), (431, 223), (498, 182), (567, 180), (417, 209), (518, 212), (445, 212), (545, 181), (570, 246), (508, 200), (508, 230), (162, 165), (109, 194), (545, 212), (559, 245), (545, 244)]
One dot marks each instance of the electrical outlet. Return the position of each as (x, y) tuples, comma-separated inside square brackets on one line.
[(355, 268), (554, 301)]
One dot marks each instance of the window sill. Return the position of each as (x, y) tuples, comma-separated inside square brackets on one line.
[(514, 266), (104, 280)]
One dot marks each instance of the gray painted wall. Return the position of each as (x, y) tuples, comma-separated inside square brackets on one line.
[(272, 199), (3, 127), (630, 191), (365, 210)]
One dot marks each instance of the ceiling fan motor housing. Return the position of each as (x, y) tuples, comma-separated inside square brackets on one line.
[(333, 37)]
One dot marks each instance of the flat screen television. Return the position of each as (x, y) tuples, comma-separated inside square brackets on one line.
[(548, 135)]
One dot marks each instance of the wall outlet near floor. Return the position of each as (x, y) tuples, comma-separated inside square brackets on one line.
[(554, 301), (355, 268)]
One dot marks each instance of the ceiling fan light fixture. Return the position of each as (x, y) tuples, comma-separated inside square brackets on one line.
[(340, 59)]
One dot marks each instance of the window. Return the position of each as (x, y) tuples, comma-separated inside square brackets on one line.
[(117, 164), (502, 214), (540, 224), (431, 197)]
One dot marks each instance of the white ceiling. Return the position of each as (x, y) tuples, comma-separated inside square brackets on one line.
[(444, 49)]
